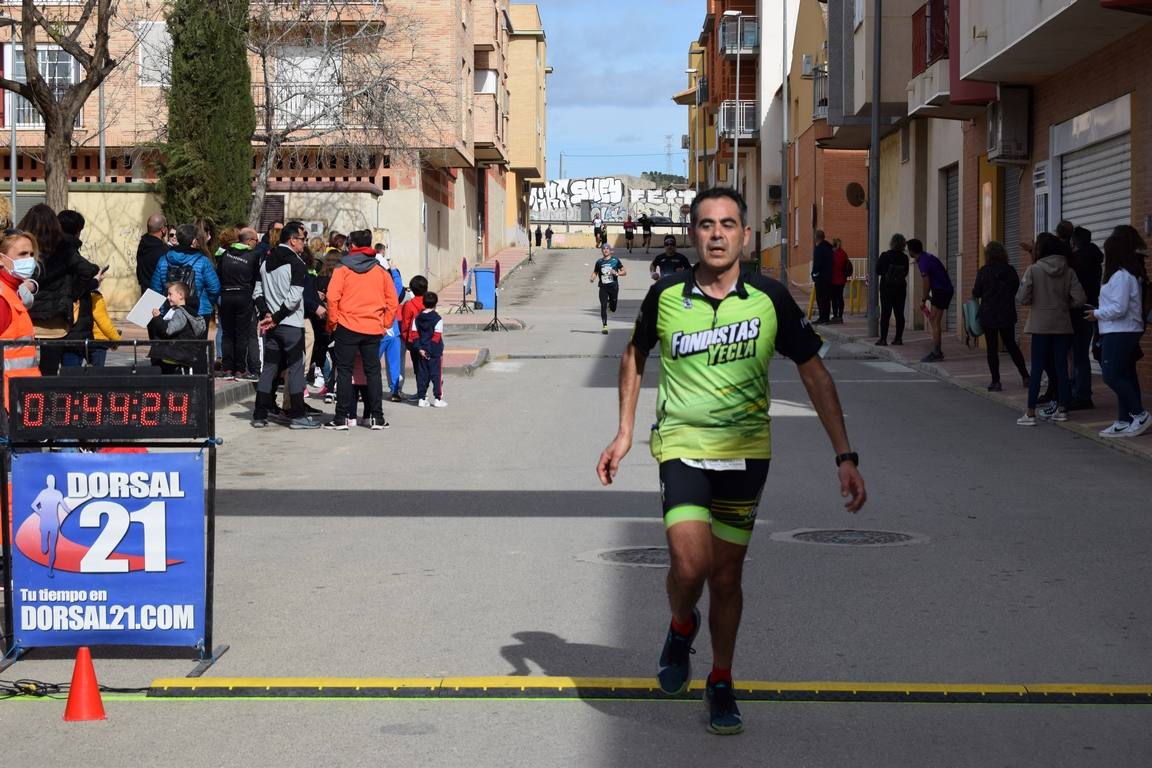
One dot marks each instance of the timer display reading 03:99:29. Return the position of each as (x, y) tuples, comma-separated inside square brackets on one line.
[(109, 407)]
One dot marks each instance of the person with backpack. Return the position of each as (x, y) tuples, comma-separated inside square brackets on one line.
[(187, 264), (892, 281)]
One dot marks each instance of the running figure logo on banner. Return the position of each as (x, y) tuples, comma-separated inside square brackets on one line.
[(107, 551)]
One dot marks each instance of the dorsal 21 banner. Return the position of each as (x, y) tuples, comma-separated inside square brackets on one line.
[(108, 549)]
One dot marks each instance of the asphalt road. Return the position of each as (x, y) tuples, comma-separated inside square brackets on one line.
[(463, 542)]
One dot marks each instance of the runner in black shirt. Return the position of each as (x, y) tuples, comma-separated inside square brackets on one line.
[(669, 262), (604, 272)]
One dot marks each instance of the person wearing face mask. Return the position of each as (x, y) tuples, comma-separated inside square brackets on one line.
[(17, 263)]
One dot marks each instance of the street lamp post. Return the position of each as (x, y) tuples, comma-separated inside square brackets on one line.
[(739, 16), (784, 152)]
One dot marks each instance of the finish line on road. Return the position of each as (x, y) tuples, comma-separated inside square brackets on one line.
[(624, 688)]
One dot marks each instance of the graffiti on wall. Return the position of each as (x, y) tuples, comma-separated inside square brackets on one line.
[(610, 197)]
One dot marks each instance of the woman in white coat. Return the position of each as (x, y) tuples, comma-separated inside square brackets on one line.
[(1121, 317)]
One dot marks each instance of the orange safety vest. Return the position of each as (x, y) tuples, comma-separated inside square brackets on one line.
[(18, 361)]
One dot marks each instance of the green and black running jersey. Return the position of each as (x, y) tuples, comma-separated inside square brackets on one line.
[(714, 355)]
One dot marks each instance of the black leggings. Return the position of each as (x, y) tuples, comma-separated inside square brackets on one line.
[(608, 295), (1008, 336), (892, 302), (837, 292)]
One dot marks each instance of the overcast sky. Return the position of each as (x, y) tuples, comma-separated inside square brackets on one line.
[(617, 64)]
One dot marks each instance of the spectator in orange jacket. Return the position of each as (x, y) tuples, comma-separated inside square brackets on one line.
[(361, 306)]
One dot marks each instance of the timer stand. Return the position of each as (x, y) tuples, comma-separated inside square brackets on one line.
[(125, 407)]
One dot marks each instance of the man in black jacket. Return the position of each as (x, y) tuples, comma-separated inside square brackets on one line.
[(152, 246), (239, 268), (822, 276)]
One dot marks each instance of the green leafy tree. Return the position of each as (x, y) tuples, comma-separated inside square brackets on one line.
[(663, 178), (207, 170)]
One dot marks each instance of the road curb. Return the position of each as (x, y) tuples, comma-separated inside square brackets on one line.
[(938, 372), (481, 359)]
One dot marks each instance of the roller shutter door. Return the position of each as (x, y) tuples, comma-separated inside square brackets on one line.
[(952, 234), (1012, 216), (1096, 186)]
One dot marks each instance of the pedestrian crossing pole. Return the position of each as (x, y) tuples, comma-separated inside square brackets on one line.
[(874, 167)]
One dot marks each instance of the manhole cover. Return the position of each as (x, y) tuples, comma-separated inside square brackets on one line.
[(854, 538), (642, 557), (653, 557)]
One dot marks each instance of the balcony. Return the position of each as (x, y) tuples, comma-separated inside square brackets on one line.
[(820, 92), (740, 36), (303, 106), (748, 114), (488, 129), (929, 35), (1027, 43)]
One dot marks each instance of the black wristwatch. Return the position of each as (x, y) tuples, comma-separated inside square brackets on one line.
[(851, 456)]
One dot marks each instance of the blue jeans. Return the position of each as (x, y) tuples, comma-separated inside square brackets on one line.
[(1050, 347), (1082, 364), (1118, 364), (71, 360)]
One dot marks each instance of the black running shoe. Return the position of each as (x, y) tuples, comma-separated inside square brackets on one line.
[(723, 714), (675, 659)]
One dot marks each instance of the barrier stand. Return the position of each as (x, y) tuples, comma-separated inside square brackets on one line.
[(495, 324), (106, 592), (462, 307)]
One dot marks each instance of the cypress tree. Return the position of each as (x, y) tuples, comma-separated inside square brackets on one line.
[(207, 170)]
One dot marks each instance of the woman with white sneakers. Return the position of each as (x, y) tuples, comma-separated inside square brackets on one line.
[(1121, 317)]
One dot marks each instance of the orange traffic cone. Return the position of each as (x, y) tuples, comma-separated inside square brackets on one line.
[(84, 694)]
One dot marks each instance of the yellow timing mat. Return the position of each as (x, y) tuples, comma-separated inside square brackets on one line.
[(641, 688)]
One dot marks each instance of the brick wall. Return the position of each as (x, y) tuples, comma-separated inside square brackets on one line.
[(1121, 68), (818, 179)]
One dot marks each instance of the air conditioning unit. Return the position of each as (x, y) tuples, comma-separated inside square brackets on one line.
[(1040, 175), (807, 64), (1009, 132), (775, 193)]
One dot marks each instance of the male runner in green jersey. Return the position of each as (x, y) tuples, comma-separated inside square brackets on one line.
[(717, 331)]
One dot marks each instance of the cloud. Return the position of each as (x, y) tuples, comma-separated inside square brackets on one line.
[(629, 138)]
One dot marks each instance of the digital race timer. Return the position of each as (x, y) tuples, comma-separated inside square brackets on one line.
[(109, 407)]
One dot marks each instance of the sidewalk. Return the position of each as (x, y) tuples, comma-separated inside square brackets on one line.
[(510, 260), (967, 368)]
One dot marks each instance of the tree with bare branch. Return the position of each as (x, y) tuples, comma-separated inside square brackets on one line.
[(70, 28), (342, 75)]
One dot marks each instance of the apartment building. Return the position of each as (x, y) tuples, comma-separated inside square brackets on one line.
[(455, 189), (724, 99), (826, 179), (528, 70)]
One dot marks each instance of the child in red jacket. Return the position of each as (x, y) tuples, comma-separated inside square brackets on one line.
[(408, 311)]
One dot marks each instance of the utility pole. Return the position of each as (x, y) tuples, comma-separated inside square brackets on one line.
[(668, 153), (784, 153), (874, 166)]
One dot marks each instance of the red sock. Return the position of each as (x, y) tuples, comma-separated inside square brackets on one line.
[(682, 629), (719, 675)]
